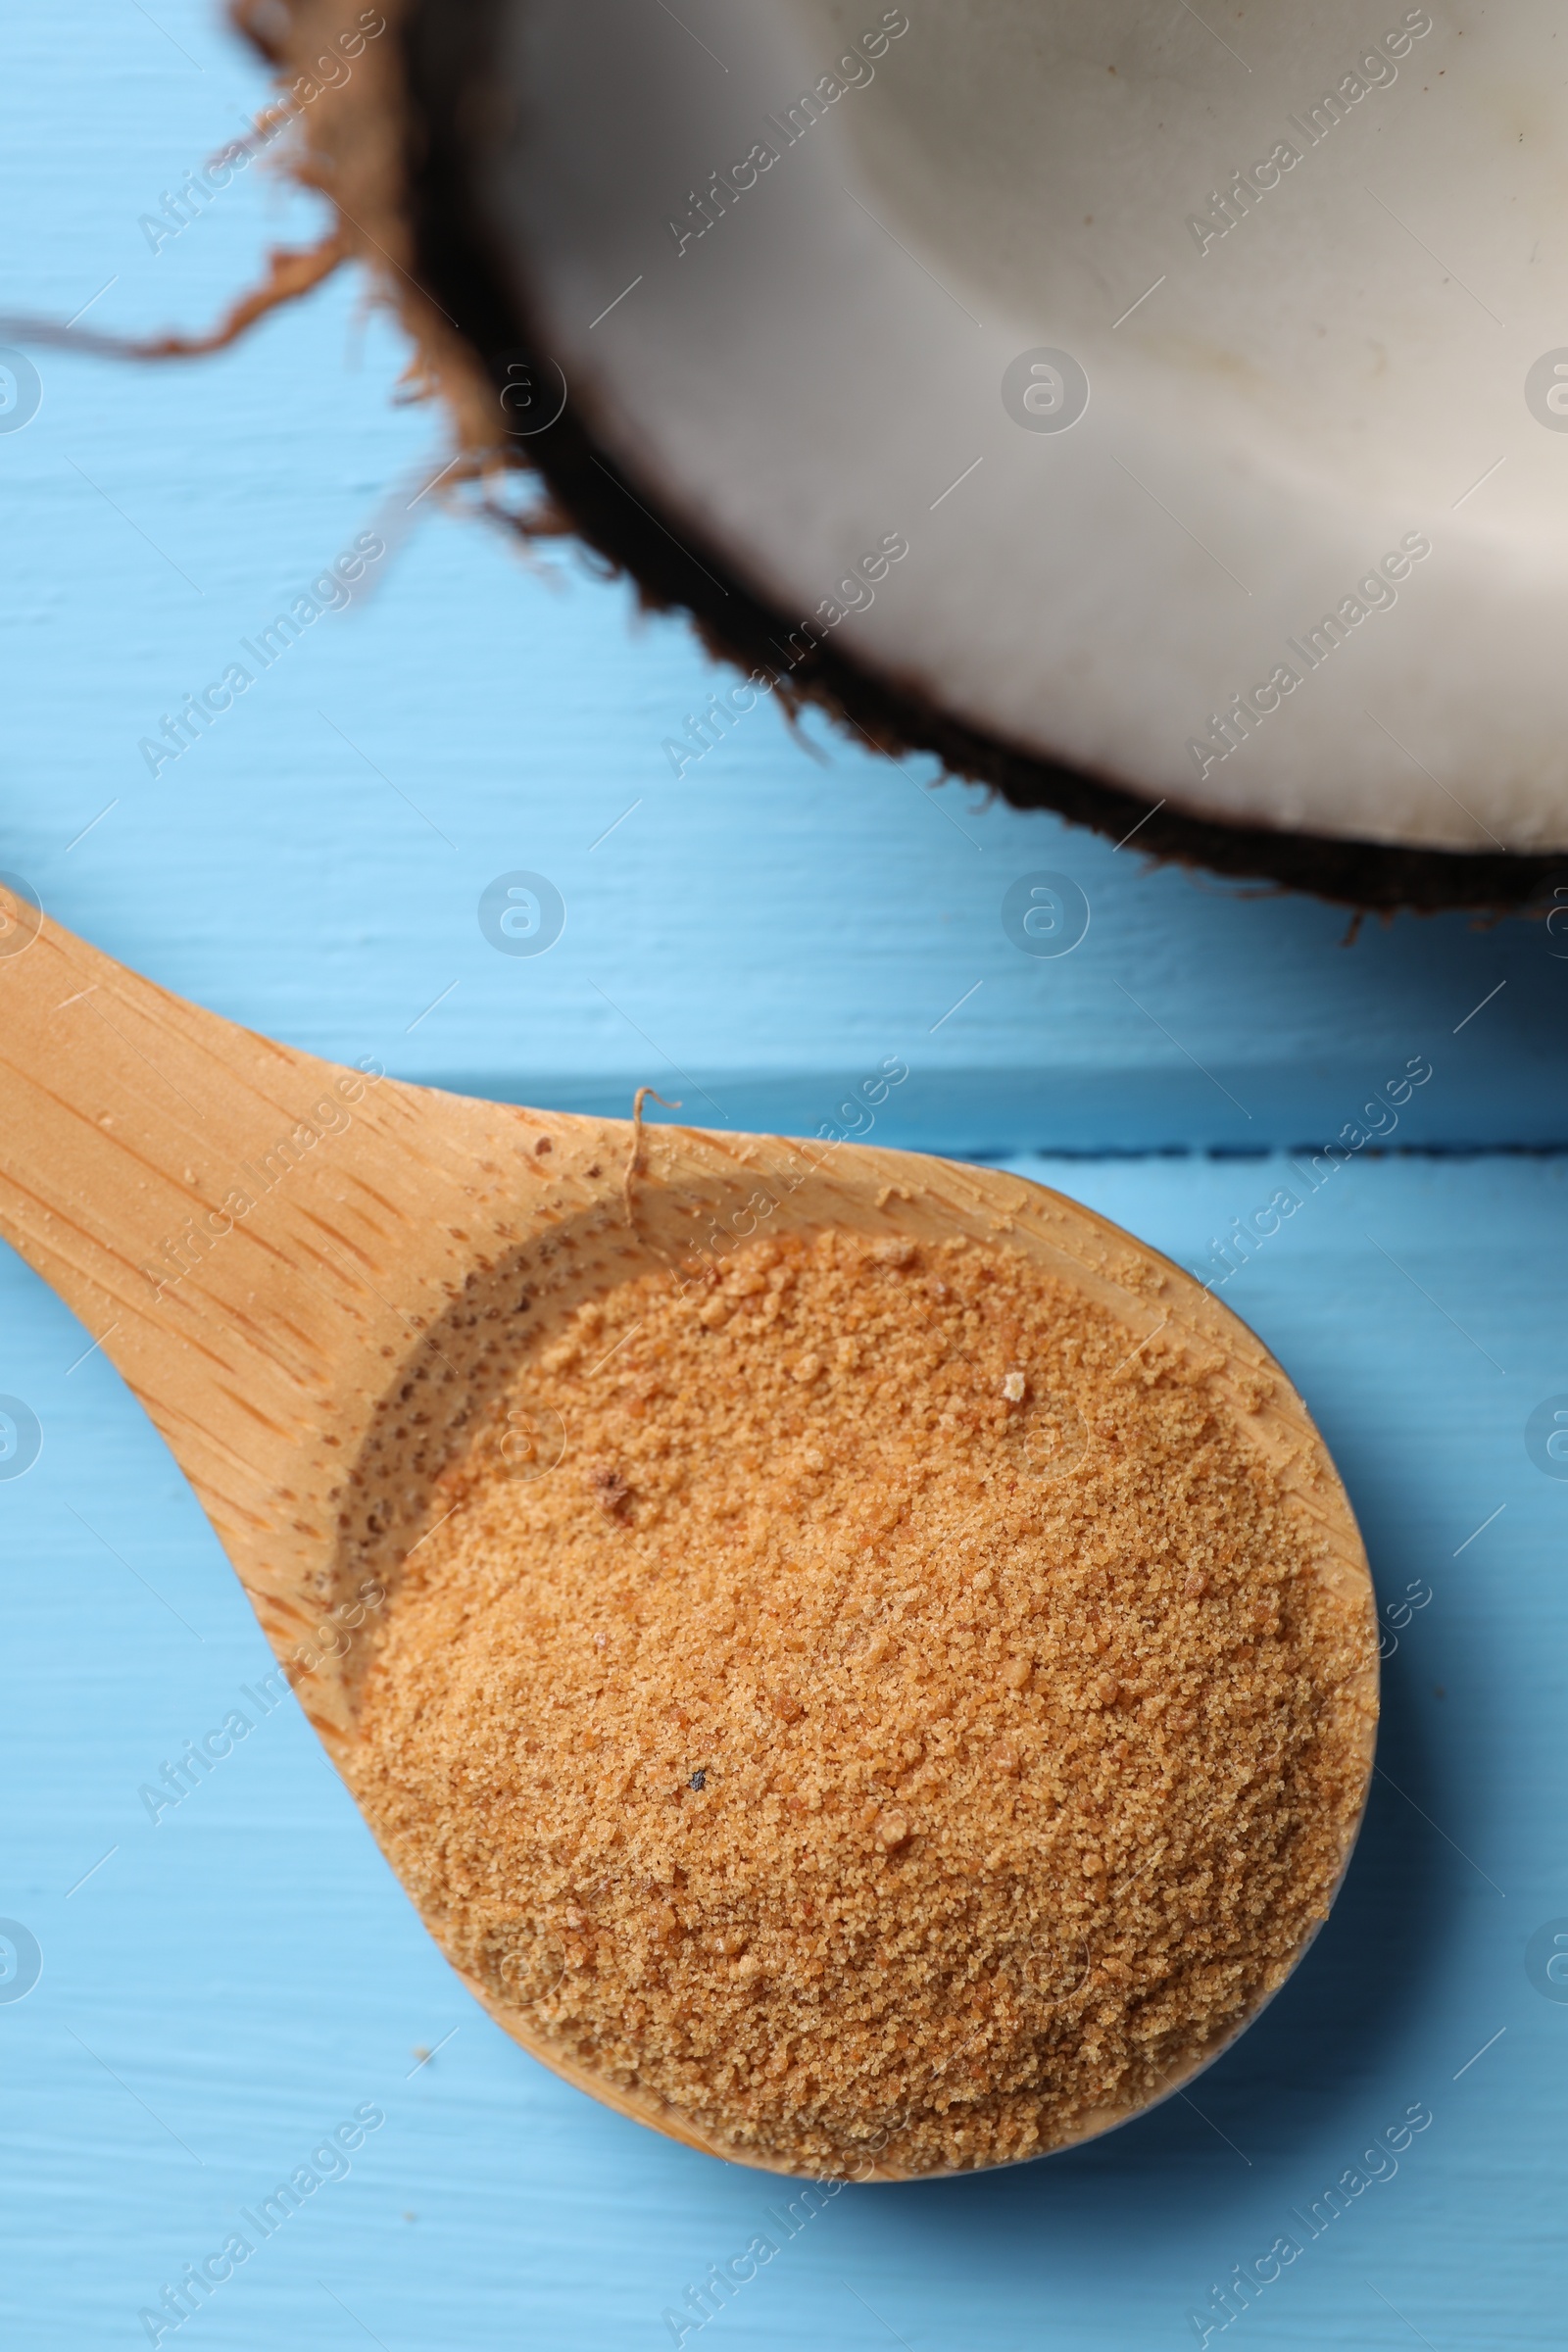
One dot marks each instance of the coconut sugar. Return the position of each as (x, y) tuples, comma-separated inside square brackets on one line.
[(907, 1725)]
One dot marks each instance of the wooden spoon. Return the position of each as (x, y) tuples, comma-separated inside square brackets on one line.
[(313, 1278)]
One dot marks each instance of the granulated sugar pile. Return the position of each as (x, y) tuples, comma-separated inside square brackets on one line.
[(906, 1722)]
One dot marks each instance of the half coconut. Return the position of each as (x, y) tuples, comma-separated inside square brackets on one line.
[(1159, 414)]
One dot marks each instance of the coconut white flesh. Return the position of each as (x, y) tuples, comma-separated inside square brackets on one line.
[(1274, 409)]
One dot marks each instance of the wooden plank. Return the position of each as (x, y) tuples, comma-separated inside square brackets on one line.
[(251, 1972), (761, 933)]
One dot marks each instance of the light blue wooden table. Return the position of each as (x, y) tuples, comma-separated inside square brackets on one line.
[(220, 1991)]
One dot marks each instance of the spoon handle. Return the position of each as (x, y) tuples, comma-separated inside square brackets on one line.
[(253, 1236), (123, 1104)]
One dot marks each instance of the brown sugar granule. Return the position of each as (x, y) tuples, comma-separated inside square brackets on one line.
[(910, 1718)]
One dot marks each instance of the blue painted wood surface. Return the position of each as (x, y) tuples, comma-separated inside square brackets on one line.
[(220, 1991)]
